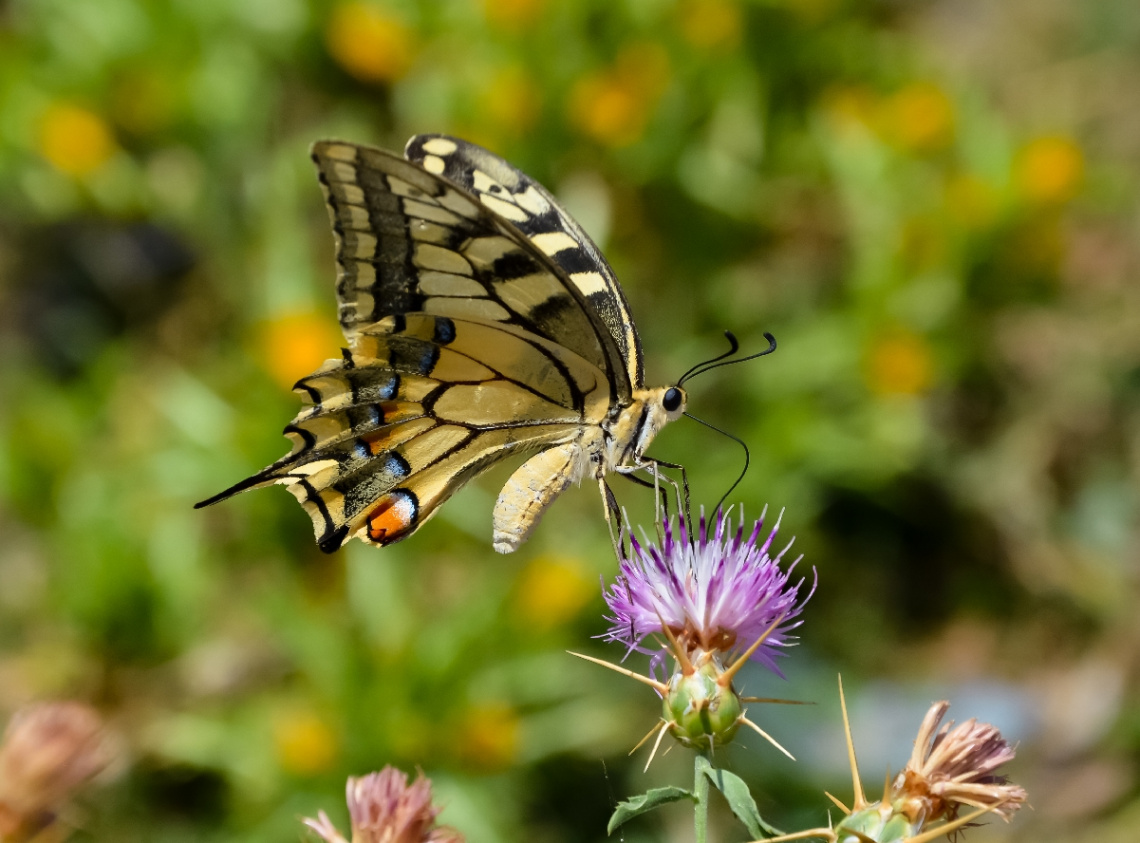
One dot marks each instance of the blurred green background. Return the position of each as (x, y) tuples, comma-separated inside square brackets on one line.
[(932, 205)]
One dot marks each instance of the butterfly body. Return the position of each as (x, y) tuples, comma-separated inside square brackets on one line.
[(481, 323)]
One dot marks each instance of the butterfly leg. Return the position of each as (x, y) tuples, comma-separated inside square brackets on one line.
[(660, 497), (613, 518), (682, 490)]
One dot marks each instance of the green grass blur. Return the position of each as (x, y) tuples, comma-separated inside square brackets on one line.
[(932, 205)]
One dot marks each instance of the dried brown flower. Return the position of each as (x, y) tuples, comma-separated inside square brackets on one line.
[(950, 767)]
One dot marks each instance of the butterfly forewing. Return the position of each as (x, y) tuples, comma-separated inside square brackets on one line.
[(408, 241), (517, 197)]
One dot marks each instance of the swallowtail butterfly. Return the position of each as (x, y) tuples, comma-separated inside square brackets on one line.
[(482, 322)]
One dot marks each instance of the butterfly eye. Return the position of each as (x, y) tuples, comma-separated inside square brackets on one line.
[(673, 399)]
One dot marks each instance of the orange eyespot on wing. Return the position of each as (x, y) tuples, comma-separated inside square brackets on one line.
[(393, 517)]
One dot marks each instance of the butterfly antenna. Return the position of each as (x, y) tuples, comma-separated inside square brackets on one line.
[(739, 441), (722, 360), (733, 347)]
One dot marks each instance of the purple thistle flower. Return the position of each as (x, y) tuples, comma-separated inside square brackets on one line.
[(717, 595)]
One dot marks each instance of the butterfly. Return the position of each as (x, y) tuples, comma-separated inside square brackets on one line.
[(482, 322)]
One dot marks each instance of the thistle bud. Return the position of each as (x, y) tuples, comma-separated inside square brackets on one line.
[(701, 712), (875, 822)]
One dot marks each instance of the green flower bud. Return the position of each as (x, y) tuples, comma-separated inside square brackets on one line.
[(702, 713), (875, 822)]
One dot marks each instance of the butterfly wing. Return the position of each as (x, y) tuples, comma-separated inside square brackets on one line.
[(417, 407), (515, 196), (410, 241), (468, 343)]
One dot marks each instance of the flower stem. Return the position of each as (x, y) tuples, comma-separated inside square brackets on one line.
[(701, 793)]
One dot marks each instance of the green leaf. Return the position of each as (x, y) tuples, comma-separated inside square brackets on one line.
[(739, 800), (646, 802)]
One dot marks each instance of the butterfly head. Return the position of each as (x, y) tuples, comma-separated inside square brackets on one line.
[(632, 430), (663, 405), (673, 401)]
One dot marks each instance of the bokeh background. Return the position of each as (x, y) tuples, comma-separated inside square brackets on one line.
[(932, 204)]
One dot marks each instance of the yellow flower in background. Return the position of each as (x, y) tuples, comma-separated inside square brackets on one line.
[(710, 24), (369, 44), (74, 139), (296, 344), (607, 111), (613, 106), (1049, 170), (919, 117), (971, 202), (305, 744), (487, 736), (513, 14), (512, 101), (899, 363), (551, 591)]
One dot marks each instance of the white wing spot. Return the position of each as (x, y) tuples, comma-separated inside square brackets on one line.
[(553, 242), (440, 146), (589, 282), (533, 201), (433, 164), (503, 208), (483, 183)]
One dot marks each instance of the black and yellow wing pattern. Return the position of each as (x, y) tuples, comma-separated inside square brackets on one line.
[(481, 323)]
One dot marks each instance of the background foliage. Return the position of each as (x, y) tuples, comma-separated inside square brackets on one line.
[(932, 205)]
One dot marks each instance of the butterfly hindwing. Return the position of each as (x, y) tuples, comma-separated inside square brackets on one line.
[(416, 407), (517, 197)]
